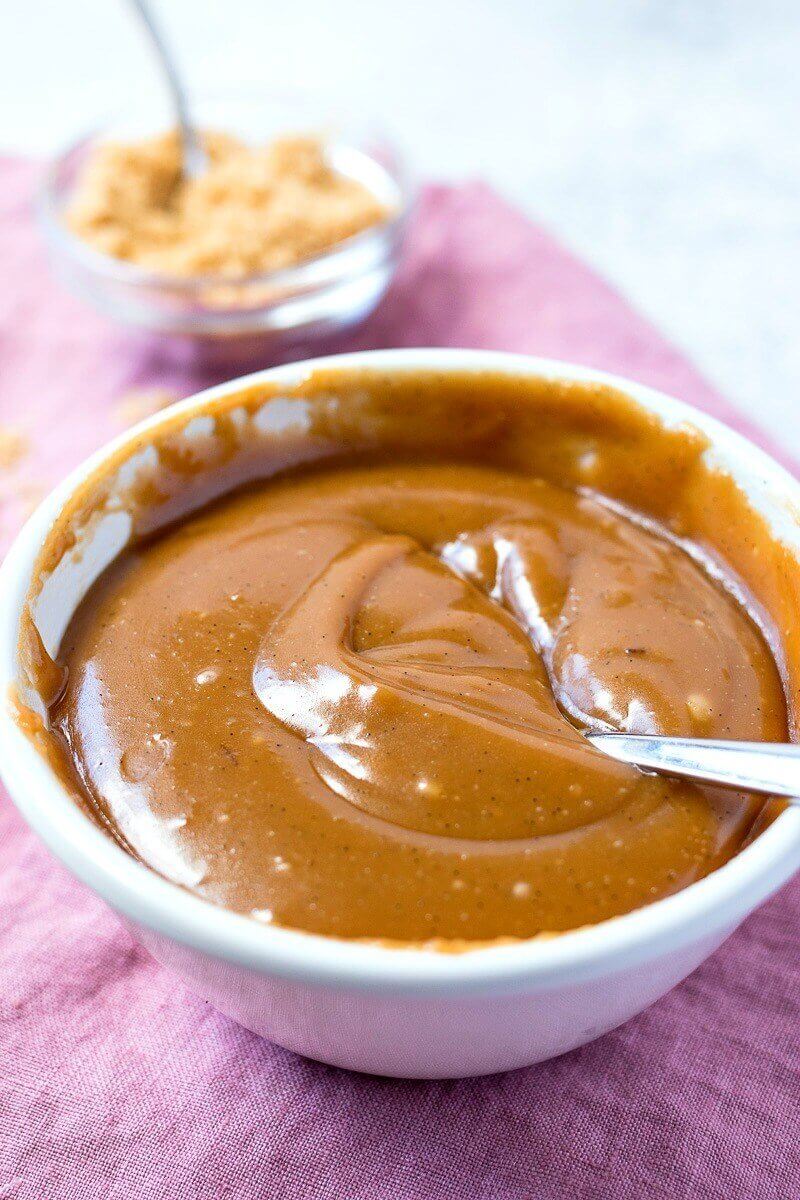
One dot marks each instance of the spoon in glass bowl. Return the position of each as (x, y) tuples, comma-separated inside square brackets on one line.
[(773, 768), (194, 161)]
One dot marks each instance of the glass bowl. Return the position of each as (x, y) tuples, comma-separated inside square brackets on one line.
[(316, 298)]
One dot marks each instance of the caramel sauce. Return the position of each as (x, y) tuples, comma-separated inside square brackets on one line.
[(338, 679)]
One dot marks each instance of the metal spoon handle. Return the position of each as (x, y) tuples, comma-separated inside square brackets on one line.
[(194, 157), (773, 768)]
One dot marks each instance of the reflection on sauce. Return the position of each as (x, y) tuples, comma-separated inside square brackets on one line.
[(350, 700)]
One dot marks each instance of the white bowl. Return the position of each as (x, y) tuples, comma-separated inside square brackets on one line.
[(403, 1012)]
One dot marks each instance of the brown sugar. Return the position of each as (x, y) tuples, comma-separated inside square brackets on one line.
[(255, 209), (13, 446), (18, 496), (139, 403)]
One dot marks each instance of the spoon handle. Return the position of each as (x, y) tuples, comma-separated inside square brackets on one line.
[(773, 768), (194, 157)]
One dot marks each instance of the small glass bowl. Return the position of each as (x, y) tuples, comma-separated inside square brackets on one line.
[(316, 298)]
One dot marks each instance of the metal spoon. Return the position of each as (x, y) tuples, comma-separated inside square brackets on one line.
[(768, 767), (194, 161)]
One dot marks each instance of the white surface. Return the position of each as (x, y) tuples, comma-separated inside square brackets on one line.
[(400, 1012), (656, 137)]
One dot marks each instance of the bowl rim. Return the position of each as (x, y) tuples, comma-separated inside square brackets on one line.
[(710, 907), (300, 276)]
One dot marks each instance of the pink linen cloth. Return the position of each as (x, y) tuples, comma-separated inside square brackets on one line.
[(116, 1083)]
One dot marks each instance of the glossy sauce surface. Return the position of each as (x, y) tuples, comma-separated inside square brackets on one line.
[(350, 700)]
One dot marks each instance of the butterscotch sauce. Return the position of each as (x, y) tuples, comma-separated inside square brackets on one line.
[(350, 698)]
